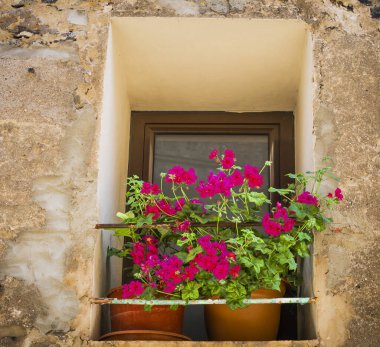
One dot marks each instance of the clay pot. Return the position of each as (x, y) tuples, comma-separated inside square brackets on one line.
[(133, 317), (256, 322), (143, 335)]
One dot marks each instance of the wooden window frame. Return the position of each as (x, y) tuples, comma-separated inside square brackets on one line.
[(279, 126)]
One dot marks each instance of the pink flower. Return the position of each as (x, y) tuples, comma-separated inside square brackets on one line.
[(153, 260), (234, 272), (152, 250), (213, 154), (205, 190), (190, 272), (338, 194), (204, 241), (153, 210), (174, 174), (221, 247), (280, 212), (329, 195), (189, 176), (220, 271), (138, 253), (216, 184), (227, 163), (150, 240), (281, 222), (236, 178), (206, 262), (179, 204), (150, 189), (132, 289), (178, 174), (170, 287), (228, 153), (271, 227), (164, 206), (251, 174), (288, 225), (184, 226), (307, 198), (154, 189), (145, 188)]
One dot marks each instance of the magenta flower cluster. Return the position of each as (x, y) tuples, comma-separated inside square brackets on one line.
[(163, 272), (279, 223), (337, 194), (132, 289), (148, 188), (307, 198), (166, 272), (216, 259), (222, 183), (253, 177), (216, 184), (178, 174)]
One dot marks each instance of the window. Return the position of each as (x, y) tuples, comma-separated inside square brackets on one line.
[(160, 140)]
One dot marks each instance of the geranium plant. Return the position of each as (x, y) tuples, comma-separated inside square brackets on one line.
[(224, 241)]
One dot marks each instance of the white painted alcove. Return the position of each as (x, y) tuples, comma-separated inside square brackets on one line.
[(187, 64)]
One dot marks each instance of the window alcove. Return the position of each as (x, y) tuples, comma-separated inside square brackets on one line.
[(192, 65)]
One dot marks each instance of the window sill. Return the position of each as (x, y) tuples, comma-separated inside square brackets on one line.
[(301, 343)]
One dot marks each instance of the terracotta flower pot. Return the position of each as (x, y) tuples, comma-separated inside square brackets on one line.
[(256, 322), (143, 335), (133, 317)]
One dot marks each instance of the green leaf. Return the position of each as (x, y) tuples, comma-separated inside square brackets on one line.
[(258, 265), (311, 223), (281, 191), (214, 287), (193, 252), (125, 216), (304, 236), (258, 199), (190, 291), (235, 294), (181, 255), (111, 251), (250, 235), (292, 264), (246, 262), (148, 219), (124, 232), (300, 214)]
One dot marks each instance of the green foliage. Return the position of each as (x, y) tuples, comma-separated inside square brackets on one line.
[(190, 291), (259, 199), (264, 260)]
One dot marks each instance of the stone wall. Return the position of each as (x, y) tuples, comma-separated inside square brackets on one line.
[(52, 54)]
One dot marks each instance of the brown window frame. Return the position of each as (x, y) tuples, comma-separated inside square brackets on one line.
[(279, 126)]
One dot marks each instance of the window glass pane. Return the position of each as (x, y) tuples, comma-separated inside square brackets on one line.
[(193, 150)]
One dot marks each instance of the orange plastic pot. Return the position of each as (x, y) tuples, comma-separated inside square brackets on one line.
[(133, 317), (256, 322)]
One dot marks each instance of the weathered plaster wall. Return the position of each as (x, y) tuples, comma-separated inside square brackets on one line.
[(52, 54)]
